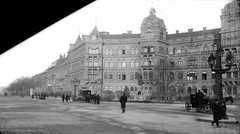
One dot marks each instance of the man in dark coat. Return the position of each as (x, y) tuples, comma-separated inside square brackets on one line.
[(216, 112), (123, 101), (67, 97), (63, 97), (98, 99)]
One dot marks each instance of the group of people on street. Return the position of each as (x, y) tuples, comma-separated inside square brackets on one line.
[(96, 99), (65, 97)]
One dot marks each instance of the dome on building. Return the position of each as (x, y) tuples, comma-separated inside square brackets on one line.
[(232, 7), (153, 20)]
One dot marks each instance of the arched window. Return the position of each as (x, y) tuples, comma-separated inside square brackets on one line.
[(119, 76), (174, 50), (205, 48), (123, 51), (171, 76), (180, 90), (229, 90), (150, 74), (204, 88), (173, 91), (110, 76), (107, 52), (119, 63), (161, 34), (106, 63), (119, 51), (150, 62), (105, 76), (110, 51), (131, 76), (180, 62), (192, 75), (145, 62), (132, 50), (213, 75), (235, 90), (124, 63), (95, 63), (90, 63), (111, 63), (149, 34), (136, 75), (136, 50), (110, 89), (132, 63), (106, 88), (204, 75), (204, 61), (136, 63), (182, 50), (180, 75), (145, 75), (171, 63), (192, 61)]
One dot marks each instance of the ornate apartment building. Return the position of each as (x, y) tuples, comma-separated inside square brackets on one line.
[(104, 61)]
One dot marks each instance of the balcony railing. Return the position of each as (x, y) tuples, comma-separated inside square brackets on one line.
[(147, 52)]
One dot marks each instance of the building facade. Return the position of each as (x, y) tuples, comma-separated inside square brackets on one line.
[(104, 61)]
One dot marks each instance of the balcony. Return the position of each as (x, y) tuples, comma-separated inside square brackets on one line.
[(148, 66), (148, 52)]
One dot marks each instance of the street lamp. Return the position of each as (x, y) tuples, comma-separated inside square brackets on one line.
[(75, 83), (215, 64)]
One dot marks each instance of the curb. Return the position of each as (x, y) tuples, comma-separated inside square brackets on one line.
[(220, 121)]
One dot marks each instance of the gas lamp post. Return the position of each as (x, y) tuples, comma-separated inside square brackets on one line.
[(216, 65)]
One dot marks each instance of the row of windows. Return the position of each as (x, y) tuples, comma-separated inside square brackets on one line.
[(122, 76), (192, 75), (122, 63), (77, 53), (93, 50), (191, 61), (149, 34), (121, 51)]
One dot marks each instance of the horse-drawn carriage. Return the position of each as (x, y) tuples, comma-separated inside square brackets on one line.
[(201, 105), (205, 104)]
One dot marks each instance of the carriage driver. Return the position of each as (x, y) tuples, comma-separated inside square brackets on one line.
[(199, 97)]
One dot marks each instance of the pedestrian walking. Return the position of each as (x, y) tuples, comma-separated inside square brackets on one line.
[(67, 98), (123, 101), (63, 97), (216, 112), (98, 99)]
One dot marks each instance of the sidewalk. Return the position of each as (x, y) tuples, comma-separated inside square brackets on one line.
[(231, 120)]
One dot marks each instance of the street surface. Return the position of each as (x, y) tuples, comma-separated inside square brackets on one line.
[(52, 116)]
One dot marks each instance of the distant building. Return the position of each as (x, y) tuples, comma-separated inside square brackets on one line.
[(104, 61)]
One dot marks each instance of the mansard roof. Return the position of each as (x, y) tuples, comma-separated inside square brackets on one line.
[(191, 34)]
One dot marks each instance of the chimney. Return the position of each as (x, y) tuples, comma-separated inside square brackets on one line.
[(204, 28), (190, 30), (177, 31), (129, 32)]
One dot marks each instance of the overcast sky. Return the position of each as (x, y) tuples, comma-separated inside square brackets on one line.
[(36, 54)]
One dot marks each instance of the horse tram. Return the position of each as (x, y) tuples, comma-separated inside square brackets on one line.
[(200, 104)]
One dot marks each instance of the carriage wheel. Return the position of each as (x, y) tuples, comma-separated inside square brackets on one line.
[(200, 109), (207, 108), (188, 106)]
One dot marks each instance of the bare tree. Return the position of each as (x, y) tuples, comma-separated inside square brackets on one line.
[(164, 78)]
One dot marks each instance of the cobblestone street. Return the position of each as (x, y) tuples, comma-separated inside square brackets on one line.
[(51, 116)]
